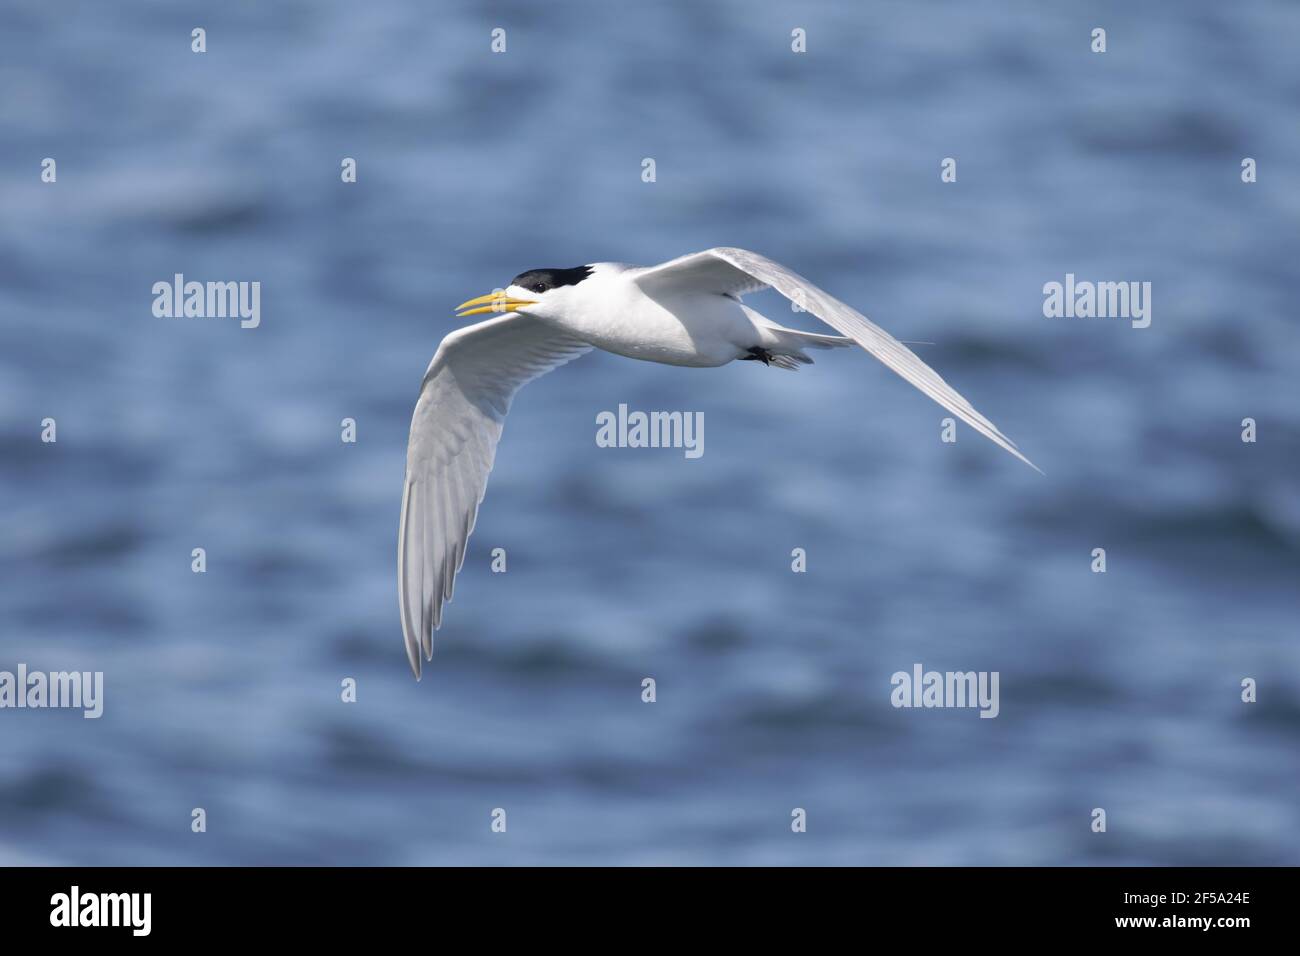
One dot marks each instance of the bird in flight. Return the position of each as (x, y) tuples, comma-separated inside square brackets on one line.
[(687, 311)]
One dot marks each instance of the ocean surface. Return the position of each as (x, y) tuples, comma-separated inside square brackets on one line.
[(222, 690)]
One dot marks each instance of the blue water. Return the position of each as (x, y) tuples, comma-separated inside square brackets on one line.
[(1118, 690)]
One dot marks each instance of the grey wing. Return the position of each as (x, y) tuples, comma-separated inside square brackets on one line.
[(730, 271), (457, 423)]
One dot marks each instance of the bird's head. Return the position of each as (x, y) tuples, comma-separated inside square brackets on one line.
[(538, 291)]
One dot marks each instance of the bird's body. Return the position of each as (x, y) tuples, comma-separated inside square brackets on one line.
[(673, 326), (683, 312), (616, 315)]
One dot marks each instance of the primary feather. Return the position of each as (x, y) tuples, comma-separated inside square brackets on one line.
[(457, 423)]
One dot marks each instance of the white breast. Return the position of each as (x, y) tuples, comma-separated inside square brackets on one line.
[(613, 313)]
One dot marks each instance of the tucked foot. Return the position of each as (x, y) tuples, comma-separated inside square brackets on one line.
[(791, 360)]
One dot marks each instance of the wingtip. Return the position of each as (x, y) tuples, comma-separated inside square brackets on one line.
[(1030, 464), (413, 659), (1020, 455)]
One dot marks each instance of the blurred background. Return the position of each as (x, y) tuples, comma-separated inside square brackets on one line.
[(1118, 690)]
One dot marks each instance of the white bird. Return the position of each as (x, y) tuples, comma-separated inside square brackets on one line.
[(686, 311)]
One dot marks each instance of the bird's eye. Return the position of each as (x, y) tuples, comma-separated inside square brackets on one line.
[(539, 286)]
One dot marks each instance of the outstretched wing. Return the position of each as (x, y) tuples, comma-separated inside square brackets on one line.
[(736, 272), (454, 433)]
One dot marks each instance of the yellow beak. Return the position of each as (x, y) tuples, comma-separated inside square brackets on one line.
[(492, 302)]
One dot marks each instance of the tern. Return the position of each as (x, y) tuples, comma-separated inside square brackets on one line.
[(687, 311)]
